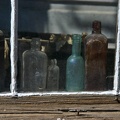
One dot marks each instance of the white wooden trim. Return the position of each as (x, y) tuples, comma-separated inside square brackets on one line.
[(116, 75), (112, 93), (13, 44)]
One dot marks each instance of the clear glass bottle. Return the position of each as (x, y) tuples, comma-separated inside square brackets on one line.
[(95, 59), (34, 68), (75, 67), (53, 76)]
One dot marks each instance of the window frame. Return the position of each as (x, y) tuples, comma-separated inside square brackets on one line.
[(13, 57)]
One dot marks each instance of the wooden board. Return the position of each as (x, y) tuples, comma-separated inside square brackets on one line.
[(59, 108)]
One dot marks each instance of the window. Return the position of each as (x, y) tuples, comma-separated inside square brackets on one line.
[(59, 18)]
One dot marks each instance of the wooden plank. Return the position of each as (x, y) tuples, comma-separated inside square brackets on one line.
[(59, 107)]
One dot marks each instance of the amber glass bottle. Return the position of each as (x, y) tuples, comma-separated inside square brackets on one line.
[(95, 59), (34, 68), (75, 67), (53, 76)]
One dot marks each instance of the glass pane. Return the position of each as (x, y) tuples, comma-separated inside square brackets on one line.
[(5, 11), (54, 23)]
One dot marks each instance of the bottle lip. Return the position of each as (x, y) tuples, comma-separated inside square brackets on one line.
[(76, 36)]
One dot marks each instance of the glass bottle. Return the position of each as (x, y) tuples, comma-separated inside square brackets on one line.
[(95, 59), (75, 67), (34, 68), (53, 76)]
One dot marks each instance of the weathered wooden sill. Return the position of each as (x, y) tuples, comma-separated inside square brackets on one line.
[(64, 107)]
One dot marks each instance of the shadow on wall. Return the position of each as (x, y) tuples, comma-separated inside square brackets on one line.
[(33, 14), (45, 16), (30, 13)]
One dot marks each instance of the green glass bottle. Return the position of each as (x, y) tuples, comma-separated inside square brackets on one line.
[(75, 67)]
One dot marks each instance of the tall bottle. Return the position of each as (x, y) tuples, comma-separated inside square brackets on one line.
[(95, 59), (34, 68), (53, 76), (75, 67)]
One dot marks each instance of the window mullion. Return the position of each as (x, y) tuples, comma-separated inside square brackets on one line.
[(13, 45), (117, 57)]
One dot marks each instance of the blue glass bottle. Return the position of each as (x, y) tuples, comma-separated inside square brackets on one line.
[(75, 67)]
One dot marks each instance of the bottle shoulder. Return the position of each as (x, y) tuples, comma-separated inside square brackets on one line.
[(96, 37), (34, 54), (31, 52), (73, 62), (74, 58), (53, 67)]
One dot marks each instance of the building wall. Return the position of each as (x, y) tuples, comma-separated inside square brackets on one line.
[(58, 16)]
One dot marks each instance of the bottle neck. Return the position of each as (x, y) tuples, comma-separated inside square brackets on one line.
[(96, 25), (53, 62), (34, 48), (35, 44), (76, 48), (96, 31)]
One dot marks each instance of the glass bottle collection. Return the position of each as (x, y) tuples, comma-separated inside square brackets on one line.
[(87, 72)]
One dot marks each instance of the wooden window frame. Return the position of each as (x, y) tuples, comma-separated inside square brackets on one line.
[(13, 57)]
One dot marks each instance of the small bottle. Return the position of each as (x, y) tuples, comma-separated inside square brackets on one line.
[(95, 59), (34, 68), (53, 76), (75, 67)]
